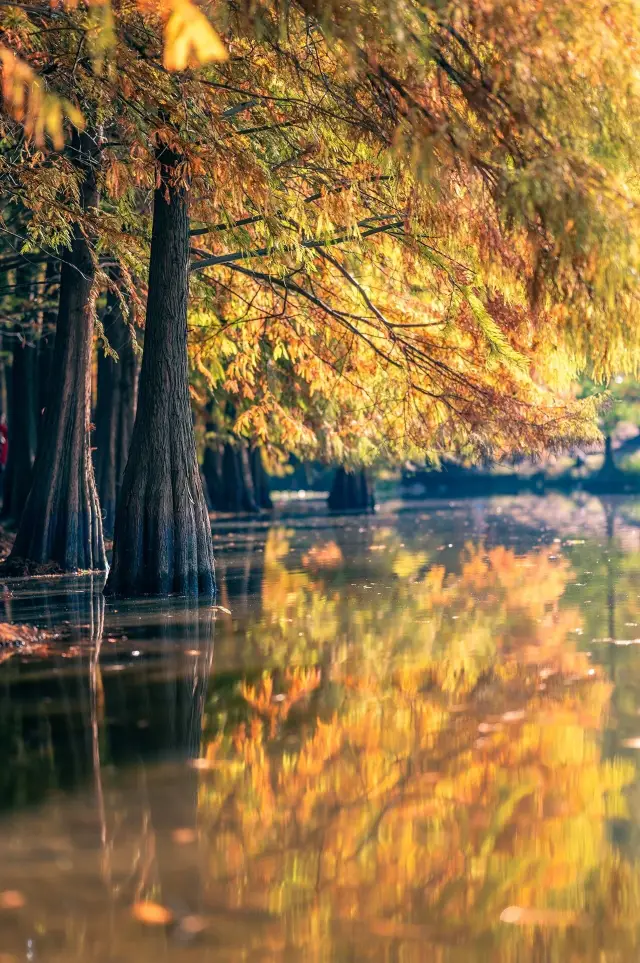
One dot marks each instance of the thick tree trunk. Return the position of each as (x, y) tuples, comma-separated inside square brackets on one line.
[(115, 411), (351, 492), (162, 541), (61, 519), (260, 480)]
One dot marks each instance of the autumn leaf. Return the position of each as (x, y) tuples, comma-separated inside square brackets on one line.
[(189, 37)]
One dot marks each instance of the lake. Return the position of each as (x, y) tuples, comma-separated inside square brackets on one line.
[(407, 736)]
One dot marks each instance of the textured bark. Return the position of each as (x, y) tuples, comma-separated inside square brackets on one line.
[(260, 480), (162, 540), (115, 411), (61, 520), (351, 492)]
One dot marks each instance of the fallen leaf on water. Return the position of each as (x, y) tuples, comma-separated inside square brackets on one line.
[(152, 914), (183, 836), (530, 916), (221, 608), (631, 743), (11, 899)]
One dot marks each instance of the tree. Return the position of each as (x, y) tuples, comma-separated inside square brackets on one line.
[(162, 539), (61, 520), (115, 409)]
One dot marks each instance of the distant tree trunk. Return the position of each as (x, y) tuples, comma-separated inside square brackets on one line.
[(609, 466), (61, 521), (351, 492), (162, 540), (212, 469), (260, 480), (115, 411), (227, 468), (22, 423)]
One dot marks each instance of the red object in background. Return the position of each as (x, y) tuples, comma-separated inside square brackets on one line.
[(4, 444)]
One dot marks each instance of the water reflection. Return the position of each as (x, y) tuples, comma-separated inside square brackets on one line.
[(415, 742)]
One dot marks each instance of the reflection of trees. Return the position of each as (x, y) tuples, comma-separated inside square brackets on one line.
[(449, 768), (113, 836)]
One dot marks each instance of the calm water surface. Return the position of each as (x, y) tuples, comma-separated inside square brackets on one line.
[(408, 737)]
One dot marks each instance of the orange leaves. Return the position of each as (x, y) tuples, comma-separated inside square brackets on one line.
[(276, 706), (26, 99)]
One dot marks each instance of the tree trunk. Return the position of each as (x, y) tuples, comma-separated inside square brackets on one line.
[(22, 429), (22, 423), (260, 480), (46, 342), (228, 471), (115, 411), (609, 466), (162, 541), (61, 520), (351, 492), (237, 494)]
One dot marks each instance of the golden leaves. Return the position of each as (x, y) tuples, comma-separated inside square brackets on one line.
[(26, 99), (189, 38)]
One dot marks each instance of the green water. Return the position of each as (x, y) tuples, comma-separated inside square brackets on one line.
[(413, 736)]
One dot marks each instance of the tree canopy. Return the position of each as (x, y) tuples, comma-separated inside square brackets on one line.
[(413, 229)]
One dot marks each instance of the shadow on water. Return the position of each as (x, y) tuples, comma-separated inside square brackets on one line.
[(417, 740)]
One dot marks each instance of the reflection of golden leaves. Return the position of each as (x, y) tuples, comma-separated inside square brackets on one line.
[(326, 556)]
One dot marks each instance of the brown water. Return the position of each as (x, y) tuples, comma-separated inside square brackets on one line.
[(400, 738)]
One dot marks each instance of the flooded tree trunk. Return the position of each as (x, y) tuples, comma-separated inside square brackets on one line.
[(115, 411), (162, 540), (22, 421), (351, 492), (61, 520)]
